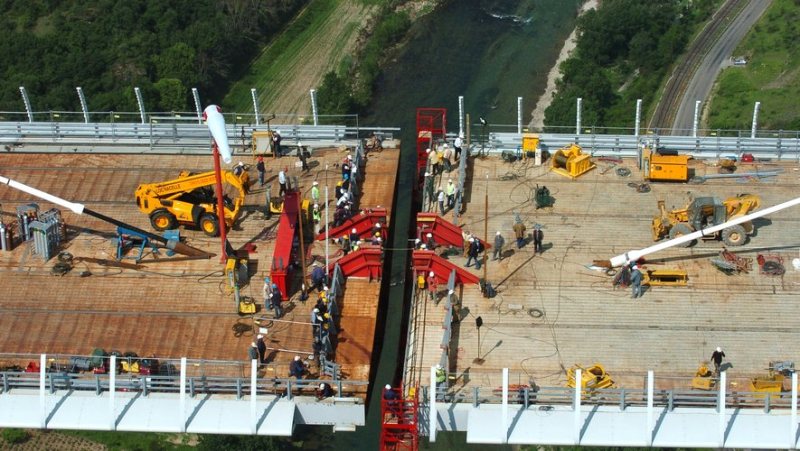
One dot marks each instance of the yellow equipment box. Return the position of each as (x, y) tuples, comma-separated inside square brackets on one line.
[(703, 379), (772, 383), (529, 143), (667, 168), (665, 277)]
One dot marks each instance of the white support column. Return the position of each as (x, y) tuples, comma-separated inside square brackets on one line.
[(42, 389), (461, 114), (576, 405), (721, 403), (182, 415), (432, 407), (314, 111), (793, 423), (504, 416), (519, 115), (254, 93), (253, 396), (696, 118), (84, 108), (27, 102), (196, 96), (636, 126), (578, 116), (140, 102), (112, 389), (649, 428), (755, 119)]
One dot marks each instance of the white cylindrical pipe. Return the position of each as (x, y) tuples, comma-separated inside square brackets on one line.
[(578, 116), (196, 96), (216, 123), (638, 117), (634, 255), (755, 119), (75, 208), (519, 115), (461, 115), (314, 111), (254, 94), (696, 118)]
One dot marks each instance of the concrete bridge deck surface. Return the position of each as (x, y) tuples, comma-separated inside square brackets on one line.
[(580, 318), (170, 310)]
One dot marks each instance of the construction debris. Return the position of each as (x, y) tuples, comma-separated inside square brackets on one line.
[(730, 263)]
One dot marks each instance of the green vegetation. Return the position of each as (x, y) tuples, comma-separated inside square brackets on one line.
[(15, 436), (108, 47), (350, 90), (772, 75), (624, 50)]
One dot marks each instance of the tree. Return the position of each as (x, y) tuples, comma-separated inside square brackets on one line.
[(171, 94)]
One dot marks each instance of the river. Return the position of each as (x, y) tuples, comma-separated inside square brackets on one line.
[(491, 52)]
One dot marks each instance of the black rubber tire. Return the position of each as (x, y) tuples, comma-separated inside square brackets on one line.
[(209, 224), (162, 220), (734, 235), (680, 230)]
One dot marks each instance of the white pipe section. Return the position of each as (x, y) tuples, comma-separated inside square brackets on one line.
[(461, 114), (254, 94), (755, 120), (432, 407), (76, 208), (314, 111), (634, 255), (519, 115), (636, 126), (696, 118), (112, 389), (578, 116), (576, 405), (216, 123)]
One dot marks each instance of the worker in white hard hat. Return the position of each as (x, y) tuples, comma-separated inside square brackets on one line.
[(636, 282), (297, 368), (430, 243), (457, 144), (315, 192), (417, 244), (433, 285), (253, 352), (238, 169), (428, 188), (499, 242), (262, 348), (716, 357)]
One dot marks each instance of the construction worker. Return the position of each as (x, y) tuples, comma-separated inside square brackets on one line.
[(429, 186), (376, 239), (315, 192), (636, 282), (267, 293), (356, 245), (316, 216), (276, 142), (238, 170), (439, 158), (317, 277), (440, 198), (261, 170), (345, 244), (262, 349), (538, 236), (716, 357), (499, 242), (282, 181), (275, 300), (417, 244), (253, 351), (465, 235), (338, 191), (297, 368), (316, 322), (421, 281), (519, 232), (353, 235), (451, 194), (472, 253), (447, 154), (301, 154), (433, 162), (441, 375), (433, 285), (430, 244), (457, 144), (346, 168), (324, 391)]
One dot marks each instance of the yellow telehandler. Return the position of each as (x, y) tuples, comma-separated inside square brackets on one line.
[(190, 199), (704, 212)]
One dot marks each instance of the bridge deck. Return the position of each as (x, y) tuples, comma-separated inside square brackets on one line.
[(178, 309), (551, 312)]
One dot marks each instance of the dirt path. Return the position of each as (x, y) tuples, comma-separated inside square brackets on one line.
[(537, 115), (301, 65)]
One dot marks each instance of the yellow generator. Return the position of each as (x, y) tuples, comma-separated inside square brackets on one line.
[(570, 162), (665, 166), (703, 379), (592, 378)]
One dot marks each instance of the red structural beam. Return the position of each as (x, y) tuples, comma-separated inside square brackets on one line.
[(282, 256), (362, 222), (365, 262), (428, 261), (444, 232)]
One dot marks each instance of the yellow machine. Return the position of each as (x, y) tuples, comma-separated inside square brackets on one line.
[(703, 379), (704, 212), (664, 167), (592, 378), (665, 277), (530, 141), (263, 144), (570, 162), (772, 383), (191, 200)]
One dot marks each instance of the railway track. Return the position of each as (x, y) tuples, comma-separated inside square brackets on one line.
[(667, 107)]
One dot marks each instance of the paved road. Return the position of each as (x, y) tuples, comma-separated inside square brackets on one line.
[(717, 59)]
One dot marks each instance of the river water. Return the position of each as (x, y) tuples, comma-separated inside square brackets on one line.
[(491, 52)]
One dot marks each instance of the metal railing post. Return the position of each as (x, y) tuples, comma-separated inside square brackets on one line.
[(576, 406), (649, 428), (721, 409), (112, 388)]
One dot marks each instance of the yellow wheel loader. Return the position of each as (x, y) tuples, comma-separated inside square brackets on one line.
[(704, 212), (191, 200)]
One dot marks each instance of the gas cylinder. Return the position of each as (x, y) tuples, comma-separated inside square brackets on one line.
[(3, 244), (537, 156)]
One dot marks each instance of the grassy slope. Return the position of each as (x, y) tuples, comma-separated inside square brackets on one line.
[(772, 75), (317, 41)]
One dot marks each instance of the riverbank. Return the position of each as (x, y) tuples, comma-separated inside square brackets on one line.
[(537, 115)]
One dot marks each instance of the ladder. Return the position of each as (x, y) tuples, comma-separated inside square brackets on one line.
[(399, 421)]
